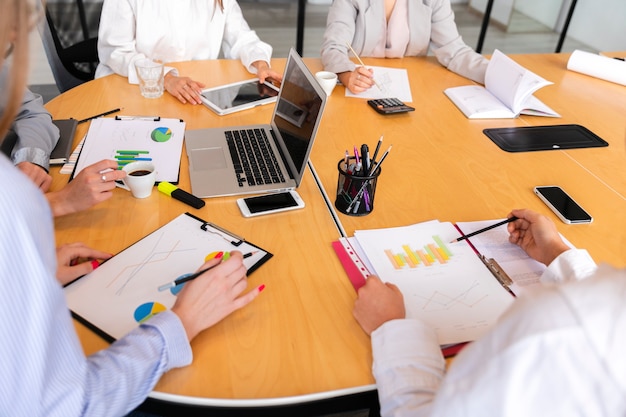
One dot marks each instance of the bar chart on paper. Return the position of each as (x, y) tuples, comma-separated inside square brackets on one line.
[(430, 254), (445, 285)]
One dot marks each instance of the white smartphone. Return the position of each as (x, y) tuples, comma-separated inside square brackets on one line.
[(270, 203), (562, 204)]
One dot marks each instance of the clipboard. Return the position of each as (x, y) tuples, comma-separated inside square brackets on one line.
[(123, 292), (544, 138), (135, 138), (444, 284)]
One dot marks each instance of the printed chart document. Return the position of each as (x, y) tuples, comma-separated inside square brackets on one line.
[(128, 139), (444, 284), (123, 292), (393, 82), (508, 92)]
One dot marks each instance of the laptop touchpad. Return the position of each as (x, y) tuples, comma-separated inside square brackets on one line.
[(208, 158)]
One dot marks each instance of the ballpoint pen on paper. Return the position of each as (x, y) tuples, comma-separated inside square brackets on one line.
[(363, 65), (195, 275), (106, 113), (184, 279), (509, 220)]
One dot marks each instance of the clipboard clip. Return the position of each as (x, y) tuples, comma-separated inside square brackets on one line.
[(224, 234), (148, 118), (497, 272)]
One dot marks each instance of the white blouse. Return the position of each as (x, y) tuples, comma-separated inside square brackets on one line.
[(173, 31)]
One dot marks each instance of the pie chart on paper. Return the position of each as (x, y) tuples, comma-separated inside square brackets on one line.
[(161, 134), (147, 310)]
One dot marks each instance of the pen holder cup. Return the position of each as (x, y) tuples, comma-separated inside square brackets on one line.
[(355, 190)]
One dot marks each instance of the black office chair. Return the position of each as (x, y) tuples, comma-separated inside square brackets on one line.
[(70, 37)]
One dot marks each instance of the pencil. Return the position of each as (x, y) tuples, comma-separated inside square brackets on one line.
[(362, 64), (106, 113), (509, 220), (195, 275), (380, 141)]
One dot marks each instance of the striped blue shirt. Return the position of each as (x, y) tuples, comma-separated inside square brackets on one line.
[(43, 369)]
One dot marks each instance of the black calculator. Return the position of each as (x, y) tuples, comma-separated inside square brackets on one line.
[(389, 106)]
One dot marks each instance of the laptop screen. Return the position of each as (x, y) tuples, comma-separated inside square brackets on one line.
[(298, 112)]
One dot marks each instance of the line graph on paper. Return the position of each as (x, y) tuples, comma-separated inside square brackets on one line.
[(124, 291), (469, 297), (162, 252)]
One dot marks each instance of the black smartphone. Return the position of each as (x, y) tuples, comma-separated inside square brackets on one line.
[(562, 204), (270, 203)]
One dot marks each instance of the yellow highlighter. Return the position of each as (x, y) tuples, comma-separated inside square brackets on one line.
[(178, 194)]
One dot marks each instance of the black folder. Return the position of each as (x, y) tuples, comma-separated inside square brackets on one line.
[(63, 148), (543, 138)]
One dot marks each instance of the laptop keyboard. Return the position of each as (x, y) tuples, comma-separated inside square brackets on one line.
[(253, 158)]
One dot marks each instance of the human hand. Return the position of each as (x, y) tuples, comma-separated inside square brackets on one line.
[(184, 89), (215, 294), (378, 303), (93, 185), (265, 73), (75, 260), (359, 80), (536, 234), (37, 174)]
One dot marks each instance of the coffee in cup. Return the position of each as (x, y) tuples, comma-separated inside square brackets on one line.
[(140, 178)]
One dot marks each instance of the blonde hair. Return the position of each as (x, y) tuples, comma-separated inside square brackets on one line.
[(16, 21)]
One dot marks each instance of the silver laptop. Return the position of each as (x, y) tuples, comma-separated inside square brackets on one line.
[(237, 160)]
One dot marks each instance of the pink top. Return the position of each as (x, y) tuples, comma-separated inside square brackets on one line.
[(397, 30)]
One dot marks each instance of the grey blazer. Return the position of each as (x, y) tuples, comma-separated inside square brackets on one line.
[(431, 25)]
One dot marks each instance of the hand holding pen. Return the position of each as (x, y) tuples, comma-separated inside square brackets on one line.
[(190, 277), (364, 78), (219, 291)]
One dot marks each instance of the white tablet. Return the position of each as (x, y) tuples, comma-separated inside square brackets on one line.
[(229, 98)]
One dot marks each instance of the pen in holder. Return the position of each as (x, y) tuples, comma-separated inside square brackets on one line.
[(355, 188)]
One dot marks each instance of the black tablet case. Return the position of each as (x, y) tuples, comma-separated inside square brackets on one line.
[(543, 138), (63, 148)]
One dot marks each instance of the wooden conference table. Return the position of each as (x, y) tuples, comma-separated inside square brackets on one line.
[(443, 167), (298, 342)]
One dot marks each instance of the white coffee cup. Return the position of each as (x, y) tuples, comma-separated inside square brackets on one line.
[(140, 178), (151, 77), (327, 79)]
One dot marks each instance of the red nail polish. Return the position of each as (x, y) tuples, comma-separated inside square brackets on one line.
[(261, 287), (95, 264), (219, 255)]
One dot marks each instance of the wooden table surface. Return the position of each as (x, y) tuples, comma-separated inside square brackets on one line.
[(298, 339)]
